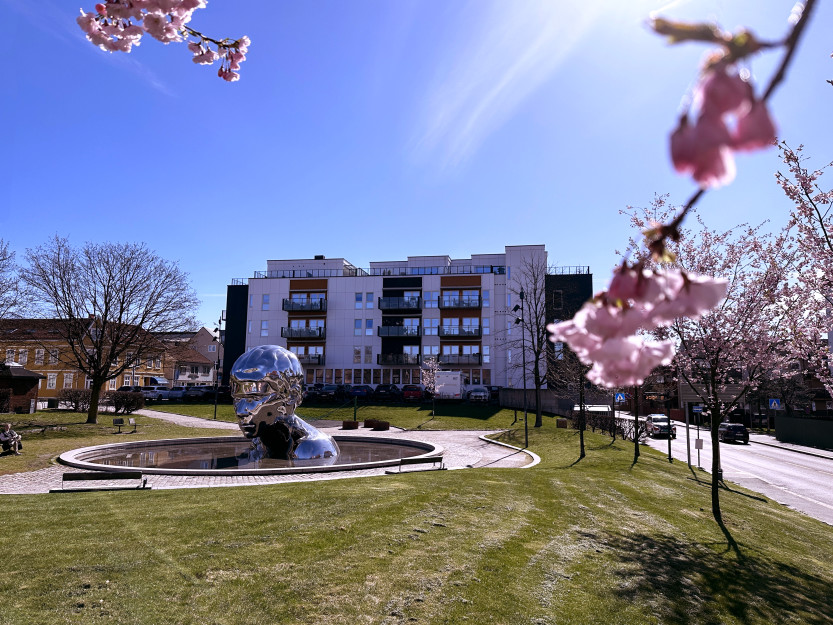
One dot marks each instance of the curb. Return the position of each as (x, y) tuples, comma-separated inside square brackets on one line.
[(535, 457), (797, 451)]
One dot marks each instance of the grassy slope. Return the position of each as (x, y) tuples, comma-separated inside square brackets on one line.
[(596, 541)]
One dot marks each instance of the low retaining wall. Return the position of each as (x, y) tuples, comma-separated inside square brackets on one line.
[(813, 432)]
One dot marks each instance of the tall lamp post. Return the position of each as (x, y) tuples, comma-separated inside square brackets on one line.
[(218, 330), (520, 320)]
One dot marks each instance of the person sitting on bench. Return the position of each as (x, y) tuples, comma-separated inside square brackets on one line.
[(10, 439)]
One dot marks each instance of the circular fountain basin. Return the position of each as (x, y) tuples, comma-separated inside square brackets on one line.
[(230, 455)]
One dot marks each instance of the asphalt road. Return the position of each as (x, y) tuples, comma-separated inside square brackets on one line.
[(799, 480)]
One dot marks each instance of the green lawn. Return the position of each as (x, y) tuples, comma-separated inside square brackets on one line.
[(448, 416), (49, 433), (590, 541)]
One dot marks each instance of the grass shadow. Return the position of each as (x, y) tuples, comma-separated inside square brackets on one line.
[(691, 582)]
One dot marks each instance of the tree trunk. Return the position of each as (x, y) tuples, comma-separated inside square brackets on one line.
[(539, 421), (582, 419), (95, 396), (635, 424), (716, 470)]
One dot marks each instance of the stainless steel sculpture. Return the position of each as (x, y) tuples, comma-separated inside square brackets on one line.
[(267, 386)]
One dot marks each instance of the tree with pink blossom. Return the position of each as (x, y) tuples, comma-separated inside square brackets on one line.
[(118, 25)]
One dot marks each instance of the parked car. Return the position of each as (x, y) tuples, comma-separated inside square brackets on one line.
[(733, 432), (155, 393), (412, 392), (129, 389), (387, 392), (494, 393), (198, 393), (311, 391), (659, 425), (362, 391), (176, 393), (329, 392), (478, 394)]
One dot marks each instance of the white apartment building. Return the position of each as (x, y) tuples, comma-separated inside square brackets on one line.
[(377, 325)]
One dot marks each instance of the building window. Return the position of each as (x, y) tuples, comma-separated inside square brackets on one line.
[(250, 326), (23, 356), (558, 299), (368, 327), (195, 370), (484, 323), (264, 304), (127, 380), (430, 350), (430, 299), (53, 356), (212, 348), (68, 380), (368, 300), (430, 326), (368, 354), (112, 384), (10, 355), (206, 370), (264, 328), (357, 327), (51, 379), (486, 300), (251, 300), (38, 356), (357, 355), (358, 300), (486, 358), (88, 382), (558, 348), (158, 362), (150, 362)]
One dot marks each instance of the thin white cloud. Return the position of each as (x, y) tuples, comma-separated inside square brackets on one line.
[(510, 50), (59, 22)]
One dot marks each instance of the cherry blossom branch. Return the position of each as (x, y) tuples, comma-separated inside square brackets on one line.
[(118, 25)]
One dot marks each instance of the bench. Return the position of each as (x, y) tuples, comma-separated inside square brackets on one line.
[(95, 476), (119, 423), (416, 460)]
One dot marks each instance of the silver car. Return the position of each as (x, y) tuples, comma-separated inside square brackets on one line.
[(479, 393)]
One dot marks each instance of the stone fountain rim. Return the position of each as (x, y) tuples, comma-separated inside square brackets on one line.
[(74, 458)]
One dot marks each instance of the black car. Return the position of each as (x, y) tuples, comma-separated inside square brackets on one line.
[(387, 392), (494, 393), (733, 432), (330, 392)]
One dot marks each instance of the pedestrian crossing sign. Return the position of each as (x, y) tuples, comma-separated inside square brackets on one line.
[(775, 404), (620, 397)]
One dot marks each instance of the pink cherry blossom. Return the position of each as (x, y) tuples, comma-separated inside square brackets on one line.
[(723, 91), (628, 361), (755, 130)]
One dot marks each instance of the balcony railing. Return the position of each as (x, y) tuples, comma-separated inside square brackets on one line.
[(397, 359), (460, 332), (453, 301), (306, 305), (303, 333), (311, 359), (459, 359), (400, 303), (399, 330)]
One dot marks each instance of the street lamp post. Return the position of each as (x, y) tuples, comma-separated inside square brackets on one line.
[(520, 320), (218, 330)]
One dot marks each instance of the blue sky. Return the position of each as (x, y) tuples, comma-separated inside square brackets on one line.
[(377, 129)]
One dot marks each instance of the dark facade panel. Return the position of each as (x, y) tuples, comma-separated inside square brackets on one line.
[(237, 307), (402, 283)]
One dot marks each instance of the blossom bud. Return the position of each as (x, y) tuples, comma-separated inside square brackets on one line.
[(755, 130)]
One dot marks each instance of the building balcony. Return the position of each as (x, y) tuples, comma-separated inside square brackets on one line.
[(304, 333), (460, 332), (305, 305), (398, 359), (400, 303), (311, 359), (399, 331), (459, 359), (453, 301)]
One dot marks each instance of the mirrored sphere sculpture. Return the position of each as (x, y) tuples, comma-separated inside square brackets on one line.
[(267, 386)]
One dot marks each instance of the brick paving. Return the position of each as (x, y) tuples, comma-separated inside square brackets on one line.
[(462, 449)]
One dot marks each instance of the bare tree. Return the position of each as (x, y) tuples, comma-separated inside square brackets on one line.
[(534, 340), (13, 294), (109, 299)]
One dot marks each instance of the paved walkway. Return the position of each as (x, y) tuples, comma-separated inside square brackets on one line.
[(462, 449)]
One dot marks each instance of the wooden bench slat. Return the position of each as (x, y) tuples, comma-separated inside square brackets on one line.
[(103, 475)]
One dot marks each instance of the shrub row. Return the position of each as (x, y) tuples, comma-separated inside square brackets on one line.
[(120, 401)]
